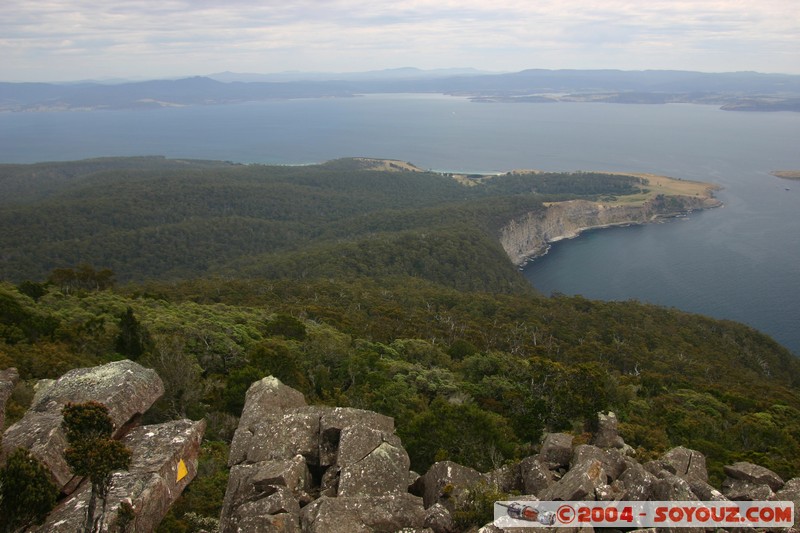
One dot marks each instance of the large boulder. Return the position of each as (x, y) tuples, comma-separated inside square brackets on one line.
[(383, 470), (580, 483), (636, 483), (163, 462), (755, 474), (743, 490), (682, 462), (613, 461), (535, 475), (264, 397), (260, 489), (124, 387), (706, 492), (280, 436), (8, 380), (363, 514), (446, 482), (556, 450), (333, 421)]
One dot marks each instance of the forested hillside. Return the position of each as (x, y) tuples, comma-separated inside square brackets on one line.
[(148, 218), (380, 290), (472, 377)]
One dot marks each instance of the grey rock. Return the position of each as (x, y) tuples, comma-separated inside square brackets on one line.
[(8, 380), (281, 436), (607, 435), (556, 450), (266, 396), (754, 474), (275, 499), (637, 483), (126, 388), (791, 493), (334, 420), (613, 460), (357, 441), (152, 482), (292, 474), (535, 475), (673, 488), (363, 514), (742, 490), (266, 523), (258, 481), (507, 478), (706, 492), (686, 463), (580, 483), (355, 457), (445, 482), (383, 471), (438, 519)]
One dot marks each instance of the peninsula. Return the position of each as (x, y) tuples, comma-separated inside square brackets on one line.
[(786, 174), (659, 197)]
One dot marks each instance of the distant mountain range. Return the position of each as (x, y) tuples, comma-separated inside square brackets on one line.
[(746, 91)]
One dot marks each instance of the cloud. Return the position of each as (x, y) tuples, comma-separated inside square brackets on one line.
[(149, 37)]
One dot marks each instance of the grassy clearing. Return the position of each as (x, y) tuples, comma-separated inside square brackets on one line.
[(666, 186)]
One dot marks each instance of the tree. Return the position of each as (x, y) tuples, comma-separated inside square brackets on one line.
[(26, 492), (132, 339), (93, 453)]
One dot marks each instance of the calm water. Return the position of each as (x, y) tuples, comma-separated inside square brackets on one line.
[(740, 262)]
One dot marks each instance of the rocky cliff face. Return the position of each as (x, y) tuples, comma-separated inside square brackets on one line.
[(164, 456), (530, 235)]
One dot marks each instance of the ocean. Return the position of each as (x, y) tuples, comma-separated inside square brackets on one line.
[(739, 262)]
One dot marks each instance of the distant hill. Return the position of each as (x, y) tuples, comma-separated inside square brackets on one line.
[(749, 91)]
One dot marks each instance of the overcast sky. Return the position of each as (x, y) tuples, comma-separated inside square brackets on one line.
[(47, 40)]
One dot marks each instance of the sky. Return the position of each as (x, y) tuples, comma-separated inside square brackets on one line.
[(64, 40)]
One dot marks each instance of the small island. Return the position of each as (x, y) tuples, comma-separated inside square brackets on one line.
[(787, 174)]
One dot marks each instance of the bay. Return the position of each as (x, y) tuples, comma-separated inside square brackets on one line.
[(739, 262)]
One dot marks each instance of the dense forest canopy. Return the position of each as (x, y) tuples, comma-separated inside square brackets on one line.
[(380, 290), (158, 218)]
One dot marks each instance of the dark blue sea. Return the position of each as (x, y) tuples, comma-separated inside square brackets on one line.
[(740, 262)]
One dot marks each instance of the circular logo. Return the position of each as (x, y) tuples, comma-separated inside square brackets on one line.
[(565, 514)]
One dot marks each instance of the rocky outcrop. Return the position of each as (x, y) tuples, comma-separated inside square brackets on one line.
[(164, 456), (163, 462), (8, 380), (126, 388), (530, 235), (685, 463), (316, 469), (311, 469)]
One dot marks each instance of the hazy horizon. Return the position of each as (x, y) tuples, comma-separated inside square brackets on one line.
[(303, 75), (70, 40)]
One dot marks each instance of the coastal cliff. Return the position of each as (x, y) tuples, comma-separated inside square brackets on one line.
[(531, 234)]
